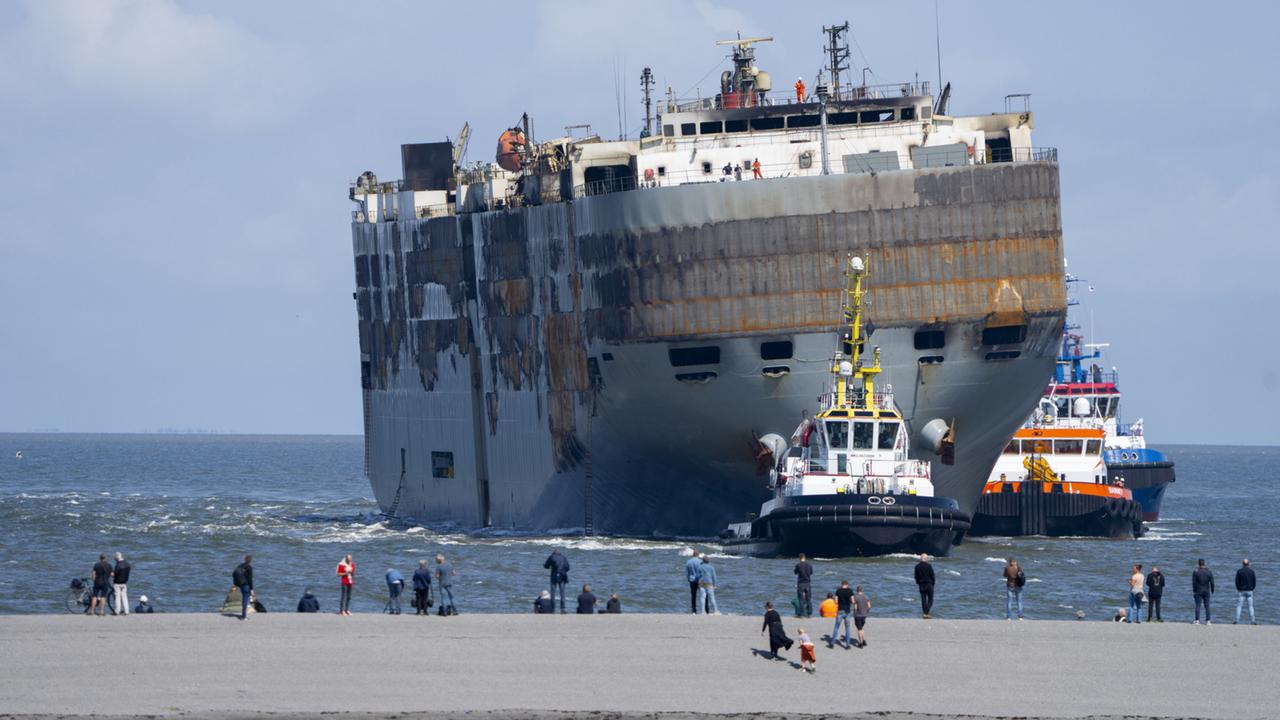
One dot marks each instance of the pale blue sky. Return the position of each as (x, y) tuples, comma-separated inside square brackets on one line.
[(175, 235)]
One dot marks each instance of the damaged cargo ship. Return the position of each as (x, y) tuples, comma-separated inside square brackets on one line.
[(592, 333)]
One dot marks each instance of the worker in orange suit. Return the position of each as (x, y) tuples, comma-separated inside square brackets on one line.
[(799, 90), (755, 168)]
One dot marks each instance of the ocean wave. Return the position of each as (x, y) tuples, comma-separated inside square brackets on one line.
[(1184, 533), (995, 559), (952, 572)]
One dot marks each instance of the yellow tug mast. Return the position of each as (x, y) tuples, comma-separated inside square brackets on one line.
[(855, 272)]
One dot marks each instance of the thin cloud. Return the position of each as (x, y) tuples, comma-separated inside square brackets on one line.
[(152, 56)]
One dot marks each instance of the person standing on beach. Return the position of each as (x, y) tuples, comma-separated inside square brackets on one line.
[(924, 581), (242, 578), (804, 589), (444, 580), (1155, 590), (1202, 588), (1014, 581), (120, 580), (421, 587), (777, 635), (691, 574), (707, 588), (395, 585), (559, 566), (861, 609), (101, 586), (1246, 581), (587, 601), (1136, 581), (844, 609), (346, 582)]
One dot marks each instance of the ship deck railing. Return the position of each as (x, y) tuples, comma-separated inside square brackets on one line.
[(849, 92), (777, 170)]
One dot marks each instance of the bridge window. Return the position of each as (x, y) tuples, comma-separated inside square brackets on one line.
[(776, 350), (668, 130), (1068, 447), (683, 357), (688, 129), (441, 464), (735, 126), (711, 127), (887, 436), (843, 118), (838, 434), (803, 121), (876, 116), (768, 123), (862, 435), (1004, 334), (907, 114)]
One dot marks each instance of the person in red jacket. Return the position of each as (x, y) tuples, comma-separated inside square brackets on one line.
[(347, 580)]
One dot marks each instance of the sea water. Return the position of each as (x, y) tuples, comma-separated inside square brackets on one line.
[(184, 508)]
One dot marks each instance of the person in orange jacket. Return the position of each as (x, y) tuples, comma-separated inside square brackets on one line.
[(755, 168), (799, 90)]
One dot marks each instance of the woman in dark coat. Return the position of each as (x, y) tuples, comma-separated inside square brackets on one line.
[(773, 623)]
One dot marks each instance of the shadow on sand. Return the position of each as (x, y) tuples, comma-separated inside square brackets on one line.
[(770, 656)]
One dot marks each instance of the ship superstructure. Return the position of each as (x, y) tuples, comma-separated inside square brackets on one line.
[(589, 333)]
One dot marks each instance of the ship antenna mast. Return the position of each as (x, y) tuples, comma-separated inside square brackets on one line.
[(646, 85), (838, 52), (851, 370)]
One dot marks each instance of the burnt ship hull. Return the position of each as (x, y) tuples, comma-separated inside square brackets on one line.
[(603, 362), (851, 526)]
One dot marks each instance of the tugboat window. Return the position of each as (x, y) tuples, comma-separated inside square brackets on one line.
[(1068, 447), (838, 435), (888, 433), (862, 433), (1093, 447), (1011, 448)]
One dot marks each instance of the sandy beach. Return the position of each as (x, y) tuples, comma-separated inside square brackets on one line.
[(626, 666)]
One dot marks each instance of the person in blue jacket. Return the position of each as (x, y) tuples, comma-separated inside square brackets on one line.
[(308, 603), (707, 587), (559, 566), (144, 606), (691, 574), (395, 585)]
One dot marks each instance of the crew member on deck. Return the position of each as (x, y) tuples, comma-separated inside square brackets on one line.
[(799, 90)]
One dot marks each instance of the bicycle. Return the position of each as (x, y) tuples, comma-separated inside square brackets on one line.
[(79, 597)]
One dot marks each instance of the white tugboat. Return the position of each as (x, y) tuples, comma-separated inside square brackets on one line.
[(845, 484)]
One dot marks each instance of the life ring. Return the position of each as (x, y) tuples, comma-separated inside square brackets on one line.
[(648, 173), (889, 500), (873, 500)]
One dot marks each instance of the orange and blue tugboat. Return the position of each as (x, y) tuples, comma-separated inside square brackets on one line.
[(1053, 481)]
